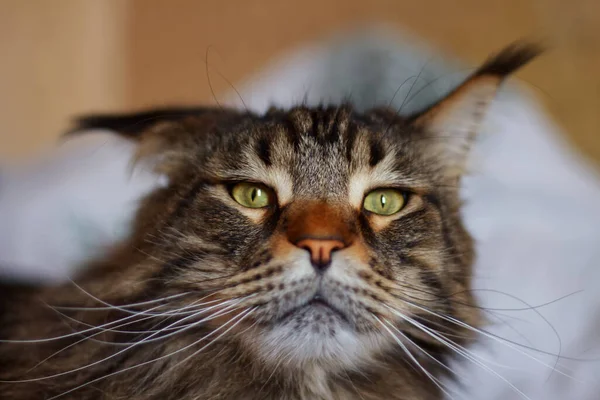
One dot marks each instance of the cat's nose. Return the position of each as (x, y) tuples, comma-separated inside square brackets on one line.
[(320, 250), (319, 227)]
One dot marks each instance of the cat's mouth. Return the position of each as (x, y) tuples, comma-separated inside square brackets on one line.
[(319, 305), (318, 300)]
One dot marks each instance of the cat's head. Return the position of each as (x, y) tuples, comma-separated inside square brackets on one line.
[(319, 235)]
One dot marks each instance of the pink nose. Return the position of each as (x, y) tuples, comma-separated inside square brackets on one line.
[(320, 250)]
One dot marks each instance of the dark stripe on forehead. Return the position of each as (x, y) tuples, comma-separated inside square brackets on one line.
[(325, 125), (350, 140), (331, 126), (263, 150), (292, 130), (333, 130), (316, 125), (376, 153)]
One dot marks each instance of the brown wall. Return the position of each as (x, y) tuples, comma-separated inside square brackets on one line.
[(57, 58), (66, 56)]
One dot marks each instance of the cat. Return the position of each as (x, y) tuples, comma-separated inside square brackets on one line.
[(309, 253)]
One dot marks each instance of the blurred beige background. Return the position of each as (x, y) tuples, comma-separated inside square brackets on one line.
[(65, 57)]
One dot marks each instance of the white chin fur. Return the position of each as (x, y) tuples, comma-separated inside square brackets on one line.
[(287, 345)]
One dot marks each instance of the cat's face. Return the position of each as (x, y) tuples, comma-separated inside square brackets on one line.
[(322, 235), (324, 230)]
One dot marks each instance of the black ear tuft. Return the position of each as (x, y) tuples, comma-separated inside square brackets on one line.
[(133, 124), (510, 59)]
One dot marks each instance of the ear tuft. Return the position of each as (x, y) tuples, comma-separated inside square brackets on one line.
[(134, 124), (510, 59), (450, 125), (166, 138)]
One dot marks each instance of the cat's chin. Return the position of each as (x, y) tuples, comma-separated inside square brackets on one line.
[(315, 334)]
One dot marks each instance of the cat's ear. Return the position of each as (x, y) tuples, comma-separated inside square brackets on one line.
[(166, 138), (449, 127)]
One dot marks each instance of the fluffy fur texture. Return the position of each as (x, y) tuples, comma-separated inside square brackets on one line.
[(209, 299)]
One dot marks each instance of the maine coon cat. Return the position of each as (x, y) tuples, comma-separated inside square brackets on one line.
[(311, 253)]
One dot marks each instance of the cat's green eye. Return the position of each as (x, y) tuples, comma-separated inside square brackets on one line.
[(384, 201), (252, 195)]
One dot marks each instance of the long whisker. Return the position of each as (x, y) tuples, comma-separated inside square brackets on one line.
[(459, 350), (90, 337), (86, 338), (510, 344), (142, 303), (447, 368), (402, 286), (120, 308), (245, 314), (119, 352), (532, 308), (79, 368), (435, 380), (178, 311), (79, 333), (431, 331), (93, 328), (167, 314), (242, 315), (227, 310), (178, 329), (490, 311)]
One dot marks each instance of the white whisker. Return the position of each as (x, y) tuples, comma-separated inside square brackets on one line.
[(101, 327), (83, 340), (72, 334), (146, 340), (242, 315), (458, 349), (498, 339), (435, 380), (423, 351), (142, 303), (170, 313), (245, 314), (124, 308), (178, 329)]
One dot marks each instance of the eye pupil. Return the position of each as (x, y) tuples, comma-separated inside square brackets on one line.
[(254, 194), (383, 201)]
